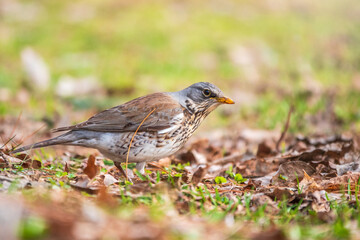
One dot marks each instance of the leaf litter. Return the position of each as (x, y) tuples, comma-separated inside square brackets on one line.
[(85, 197)]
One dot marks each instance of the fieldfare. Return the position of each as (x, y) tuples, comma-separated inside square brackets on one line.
[(163, 121)]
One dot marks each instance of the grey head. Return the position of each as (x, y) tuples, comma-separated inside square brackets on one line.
[(201, 97)]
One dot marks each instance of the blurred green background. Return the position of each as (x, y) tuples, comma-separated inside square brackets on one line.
[(266, 55)]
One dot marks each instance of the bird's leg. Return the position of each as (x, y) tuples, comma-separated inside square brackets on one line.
[(118, 165), (141, 167)]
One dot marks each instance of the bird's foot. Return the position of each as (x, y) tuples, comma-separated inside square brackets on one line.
[(128, 175), (140, 167)]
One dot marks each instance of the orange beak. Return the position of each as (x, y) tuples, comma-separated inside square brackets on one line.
[(225, 100)]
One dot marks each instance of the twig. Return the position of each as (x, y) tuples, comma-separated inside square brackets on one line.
[(9, 140), (32, 134), (286, 127), (157, 166), (12, 131), (132, 139)]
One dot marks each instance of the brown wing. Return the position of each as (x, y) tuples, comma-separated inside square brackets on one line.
[(128, 116)]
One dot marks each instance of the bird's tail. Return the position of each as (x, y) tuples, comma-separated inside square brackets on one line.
[(66, 138)]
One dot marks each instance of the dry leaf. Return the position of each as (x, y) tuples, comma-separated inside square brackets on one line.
[(320, 204), (199, 175), (292, 170), (91, 170), (271, 234), (31, 163), (66, 169), (260, 199), (82, 181), (265, 149), (105, 198), (109, 180), (308, 184)]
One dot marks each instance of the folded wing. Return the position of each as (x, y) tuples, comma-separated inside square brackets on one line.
[(128, 116)]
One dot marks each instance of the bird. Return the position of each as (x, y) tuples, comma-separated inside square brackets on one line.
[(159, 123)]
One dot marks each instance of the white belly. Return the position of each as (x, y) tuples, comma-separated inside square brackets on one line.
[(145, 146)]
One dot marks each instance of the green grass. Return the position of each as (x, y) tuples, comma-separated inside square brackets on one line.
[(210, 205)]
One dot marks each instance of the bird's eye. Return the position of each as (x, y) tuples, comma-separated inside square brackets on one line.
[(206, 92)]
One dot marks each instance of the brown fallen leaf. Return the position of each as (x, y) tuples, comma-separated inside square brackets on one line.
[(22, 156), (292, 170), (81, 181), (265, 149), (260, 199), (271, 234), (308, 184), (281, 193), (199, 175), (31, 163), (186, 176), (105, 198), (341, 182), (23, 160), (91, 170), (332, 150), (66, 169), (320, 204)]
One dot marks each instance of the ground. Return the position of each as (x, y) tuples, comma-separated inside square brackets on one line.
[(292, 68)]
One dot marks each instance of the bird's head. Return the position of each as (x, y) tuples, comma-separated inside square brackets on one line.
[(203, 97)]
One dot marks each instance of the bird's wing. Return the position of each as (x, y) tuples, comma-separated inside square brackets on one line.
[(128, 116)]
